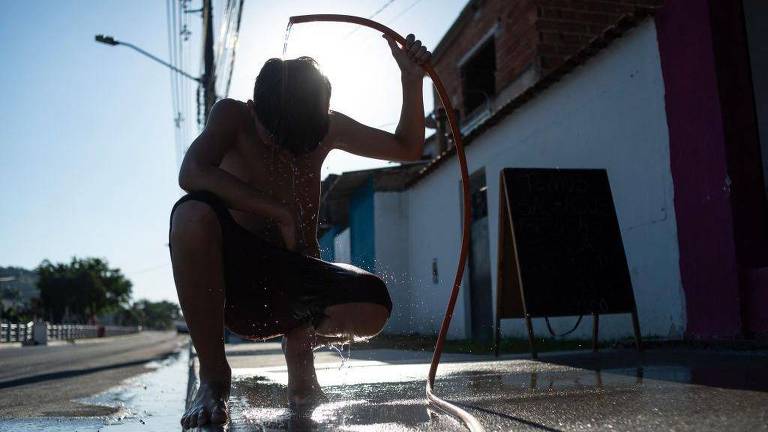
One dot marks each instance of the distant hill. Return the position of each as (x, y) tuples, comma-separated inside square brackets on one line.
[(17, 278)]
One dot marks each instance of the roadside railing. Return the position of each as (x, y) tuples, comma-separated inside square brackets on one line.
[(23, 332), (10, 332), (120, 330), (72, 331)]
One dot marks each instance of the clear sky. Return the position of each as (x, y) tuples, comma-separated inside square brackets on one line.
[(88, 163)]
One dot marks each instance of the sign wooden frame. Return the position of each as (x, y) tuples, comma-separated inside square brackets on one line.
[(512, 291)]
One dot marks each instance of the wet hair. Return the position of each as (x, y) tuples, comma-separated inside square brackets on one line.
[(291, 100)]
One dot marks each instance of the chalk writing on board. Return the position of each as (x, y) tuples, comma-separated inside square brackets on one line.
[(570, 255)]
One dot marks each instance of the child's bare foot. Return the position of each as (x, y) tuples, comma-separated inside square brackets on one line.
[(305, 395), (209, 405)]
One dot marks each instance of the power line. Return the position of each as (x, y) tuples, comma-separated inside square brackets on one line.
[(224, 29), (229, 30), (170, 8), (179, 53), (381, 9), (371, 16), (180, 58), (170, 49), (403, 12), (184, 55), (181, 35), (234, 47), (228, 45), (225, 43), (187, 49), (394, 18)]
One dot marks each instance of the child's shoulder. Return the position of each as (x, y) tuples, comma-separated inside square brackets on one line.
[(229, 106), (229, 111)]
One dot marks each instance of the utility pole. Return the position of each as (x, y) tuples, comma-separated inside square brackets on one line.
[(209, 74)]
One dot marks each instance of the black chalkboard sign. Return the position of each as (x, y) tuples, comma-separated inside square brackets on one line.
[(560, 248)]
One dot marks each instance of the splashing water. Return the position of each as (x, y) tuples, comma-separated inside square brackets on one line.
[(339, 348)]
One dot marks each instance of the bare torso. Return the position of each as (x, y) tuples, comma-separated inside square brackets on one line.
[(273, 171)]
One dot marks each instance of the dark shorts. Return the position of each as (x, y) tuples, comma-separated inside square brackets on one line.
[(271, 290)]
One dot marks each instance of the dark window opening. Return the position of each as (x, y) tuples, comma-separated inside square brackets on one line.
[(479, 200), (478, 76)]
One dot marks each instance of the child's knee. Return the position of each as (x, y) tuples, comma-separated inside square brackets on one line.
[(360, 320), (194, 222)]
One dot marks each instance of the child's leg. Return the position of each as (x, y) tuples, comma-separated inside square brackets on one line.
[(333, 303), (344, 323), (195, 241), (303, 387)]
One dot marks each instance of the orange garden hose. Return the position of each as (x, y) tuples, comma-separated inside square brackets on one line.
[(432, 399)]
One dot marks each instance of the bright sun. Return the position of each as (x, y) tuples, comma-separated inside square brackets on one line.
[(356, 61), (364, 76)]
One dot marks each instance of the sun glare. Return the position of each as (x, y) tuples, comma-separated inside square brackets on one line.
[(364, 76)]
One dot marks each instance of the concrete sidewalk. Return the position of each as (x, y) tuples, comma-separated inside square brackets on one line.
[(613, 390)]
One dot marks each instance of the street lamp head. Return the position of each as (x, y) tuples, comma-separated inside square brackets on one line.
[(108, 40)]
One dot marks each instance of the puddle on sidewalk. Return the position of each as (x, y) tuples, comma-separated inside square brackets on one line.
[(658, 391), (258, 404), (151, 402)]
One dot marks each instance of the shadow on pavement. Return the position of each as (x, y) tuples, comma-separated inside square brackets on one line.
[(76, 372), (722, 369), (532, 424)]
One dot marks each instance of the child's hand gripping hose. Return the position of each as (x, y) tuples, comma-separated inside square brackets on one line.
[(433, 400)]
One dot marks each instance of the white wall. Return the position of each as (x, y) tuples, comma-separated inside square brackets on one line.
[(390, 212), (342, 247), (434, 231), (608, 113)]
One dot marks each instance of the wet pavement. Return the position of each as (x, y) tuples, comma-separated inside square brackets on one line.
[(42, 381), (671, 389)]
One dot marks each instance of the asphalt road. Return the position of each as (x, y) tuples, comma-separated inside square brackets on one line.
[(44, 380)]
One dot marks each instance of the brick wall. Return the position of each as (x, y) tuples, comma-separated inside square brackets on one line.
[(564, 26), (532, 35), (515, 42)]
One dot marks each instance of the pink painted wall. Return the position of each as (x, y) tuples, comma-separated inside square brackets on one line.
[(745, 162), (708, 263)]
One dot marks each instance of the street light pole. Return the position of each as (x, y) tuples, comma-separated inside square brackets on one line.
[(109, 40)]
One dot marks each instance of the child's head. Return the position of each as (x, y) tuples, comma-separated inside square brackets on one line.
[(298, 119)]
